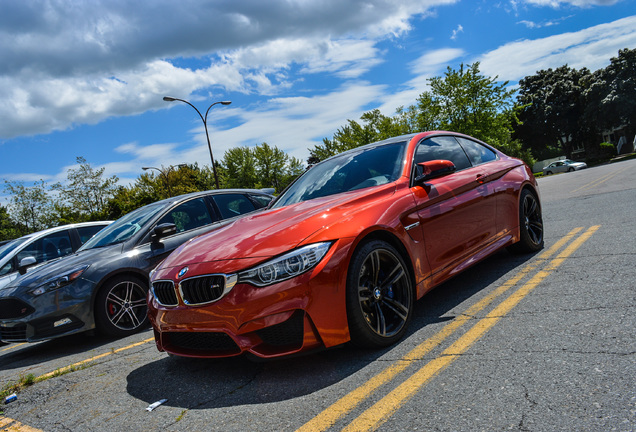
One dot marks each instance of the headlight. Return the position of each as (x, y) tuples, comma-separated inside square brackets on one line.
[(286, 266), (59, 280)]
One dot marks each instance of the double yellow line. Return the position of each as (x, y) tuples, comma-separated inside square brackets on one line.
[(382, 410)]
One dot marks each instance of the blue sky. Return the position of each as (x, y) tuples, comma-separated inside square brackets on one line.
[(87, 78)]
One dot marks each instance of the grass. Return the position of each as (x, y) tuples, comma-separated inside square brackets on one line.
[(30, 379)]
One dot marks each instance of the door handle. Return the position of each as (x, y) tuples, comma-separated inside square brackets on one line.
[(481, 178)]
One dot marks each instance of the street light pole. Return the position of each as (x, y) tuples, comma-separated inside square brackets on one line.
[(205, 125)]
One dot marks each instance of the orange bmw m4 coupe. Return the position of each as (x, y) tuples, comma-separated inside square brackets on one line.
[(345, 251)]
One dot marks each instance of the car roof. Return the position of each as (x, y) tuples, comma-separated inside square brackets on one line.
[(44, 232), (185, 197)]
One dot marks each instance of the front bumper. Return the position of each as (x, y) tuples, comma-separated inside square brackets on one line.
[(25, 318), (296, 315)]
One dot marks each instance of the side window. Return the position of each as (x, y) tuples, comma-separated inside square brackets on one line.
[(188, 215), (444, 147), (261, 200), (87, 232), (477, 153), (231, 205), (7, 268), (51, 246)]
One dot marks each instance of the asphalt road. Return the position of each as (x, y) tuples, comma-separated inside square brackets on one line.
[(542, 342)]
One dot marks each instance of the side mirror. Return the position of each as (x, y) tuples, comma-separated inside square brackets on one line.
[(163, 230), (433, 169), (25, 263)]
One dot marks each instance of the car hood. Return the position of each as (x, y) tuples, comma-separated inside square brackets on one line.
[(275, 231), (62, 265)]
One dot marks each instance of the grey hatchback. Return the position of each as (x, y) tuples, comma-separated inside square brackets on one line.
[(104, 284)]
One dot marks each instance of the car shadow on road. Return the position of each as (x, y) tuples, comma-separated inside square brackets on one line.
[(216, 383)]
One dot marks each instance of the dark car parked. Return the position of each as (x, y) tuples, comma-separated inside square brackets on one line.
[(104, 284)]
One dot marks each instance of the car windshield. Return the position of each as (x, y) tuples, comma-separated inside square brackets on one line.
[(123, 228), (6, 249), (568, 161), (355, 169)]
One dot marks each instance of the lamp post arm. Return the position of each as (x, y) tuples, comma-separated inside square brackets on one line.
[(205, 125)]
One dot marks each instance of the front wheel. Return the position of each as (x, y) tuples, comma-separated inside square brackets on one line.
[(380, 295), (121, 308), (531, 224)]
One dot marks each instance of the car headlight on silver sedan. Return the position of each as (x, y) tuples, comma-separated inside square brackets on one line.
[(60, 280), (285, 266)]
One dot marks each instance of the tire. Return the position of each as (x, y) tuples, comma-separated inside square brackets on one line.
[(548, 173), (570, 169), (530, 224), (120, 306), (380, 295)]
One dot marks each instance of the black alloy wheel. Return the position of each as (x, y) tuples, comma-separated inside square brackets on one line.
[(531, 224), (380, 295)]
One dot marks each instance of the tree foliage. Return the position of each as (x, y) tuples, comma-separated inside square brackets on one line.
[(566, 108), (467, 102), (157, 184), (552, 109), (611, 94), (462, 101), (31, 207), (262, 166), (8, 228), (85, 195)]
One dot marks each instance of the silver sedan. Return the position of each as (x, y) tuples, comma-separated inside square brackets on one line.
[(565, 165)]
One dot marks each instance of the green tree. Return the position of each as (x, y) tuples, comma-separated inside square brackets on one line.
[(8, 228), (293, 169), (461, 101), (270, 165), (30, 206), (611, 94), (239, 168), (87, 191), (553, 104), (375, 127), (468, 102), (152, 186)]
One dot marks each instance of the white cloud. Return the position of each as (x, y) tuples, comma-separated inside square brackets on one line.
[(590, 48), (458, 30), (81, 62)]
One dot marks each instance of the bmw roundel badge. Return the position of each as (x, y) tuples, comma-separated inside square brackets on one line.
[(182, 272)]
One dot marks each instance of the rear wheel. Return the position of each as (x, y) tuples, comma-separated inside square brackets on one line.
[(121, 308), (570, 169), (531, 224), (380, 295)]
